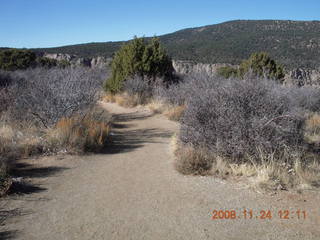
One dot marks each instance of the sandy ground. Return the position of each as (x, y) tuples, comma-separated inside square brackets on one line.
[(133, 192)]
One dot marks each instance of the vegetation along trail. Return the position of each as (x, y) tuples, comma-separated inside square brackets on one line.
[(133, 192)]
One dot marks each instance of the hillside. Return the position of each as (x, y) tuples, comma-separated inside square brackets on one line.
[(293, 43)]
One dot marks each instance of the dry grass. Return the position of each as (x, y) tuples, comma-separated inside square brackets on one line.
[(6, 150), (78, 134), (172, 112), (124, 99), (109, 98), (191, 161), (269, 174), (81, 134), (273, 175), (157, 106), (75, 134), (175, 112), (16, 142), (312, 129)]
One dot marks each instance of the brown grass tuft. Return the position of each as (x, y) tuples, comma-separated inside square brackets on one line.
[(109, 98), (190, 161), (156, 107), (312, 129), (84, 134), (125, 100), (267, 174), (174, 112)]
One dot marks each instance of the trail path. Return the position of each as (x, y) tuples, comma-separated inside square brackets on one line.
[(133, 192)]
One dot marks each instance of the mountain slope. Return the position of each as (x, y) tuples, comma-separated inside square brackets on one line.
[(293, 43)]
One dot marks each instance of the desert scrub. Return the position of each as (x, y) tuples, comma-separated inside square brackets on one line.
[(88, 133), (234, 118), (46, 110), (268, 173), (250, 127), (47, 95)]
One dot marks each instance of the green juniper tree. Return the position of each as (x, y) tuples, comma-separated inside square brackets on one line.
[(148, 60), (13, 59), (262, 65), (259, 64)]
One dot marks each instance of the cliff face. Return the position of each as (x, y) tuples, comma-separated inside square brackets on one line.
[(302, 77), (298, 77), (94, 62), (186, 67)]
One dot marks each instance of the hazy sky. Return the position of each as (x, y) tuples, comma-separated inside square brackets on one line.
[(48, 23)]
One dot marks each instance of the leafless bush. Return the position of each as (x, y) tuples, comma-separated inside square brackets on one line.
[(177, 93), (171, 95), (306, 98), (140, 87), (47, 95), (235, 118), (6, 97), (5, 79)]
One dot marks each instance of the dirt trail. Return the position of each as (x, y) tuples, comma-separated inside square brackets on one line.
[(133, 192)]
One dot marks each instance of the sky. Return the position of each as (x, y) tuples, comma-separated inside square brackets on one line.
[(50, 23)]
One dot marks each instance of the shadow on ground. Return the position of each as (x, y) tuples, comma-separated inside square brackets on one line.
[(22, 184), (8, 235), (4, 216), (123, 140), (127, 117), (21, 171), (27, 170)]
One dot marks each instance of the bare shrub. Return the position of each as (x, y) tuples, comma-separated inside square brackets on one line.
[(174, 94), (5, 79), (6, 99), (139, 87), (234, 118), (6, 96), (57, 99), (306, 98), (47, 95), (178, 92)]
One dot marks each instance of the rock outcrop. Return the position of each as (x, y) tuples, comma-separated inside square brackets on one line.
[(60, 56), (186, 67), (299, 77), (94, 62), (302, 77)]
